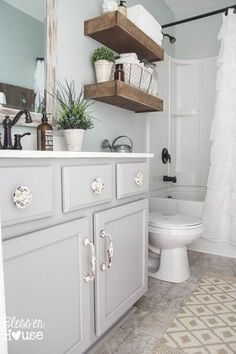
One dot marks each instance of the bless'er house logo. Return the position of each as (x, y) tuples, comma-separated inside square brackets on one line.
[(24, 329)]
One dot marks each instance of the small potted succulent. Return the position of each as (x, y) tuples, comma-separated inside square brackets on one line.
[(74, 114), (103, 59)]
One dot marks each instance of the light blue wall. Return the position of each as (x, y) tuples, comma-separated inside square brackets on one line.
[(73, 62), (74, 53), (198, 39), (22, 40)]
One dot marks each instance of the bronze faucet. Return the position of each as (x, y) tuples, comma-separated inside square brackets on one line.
[(8, 124)]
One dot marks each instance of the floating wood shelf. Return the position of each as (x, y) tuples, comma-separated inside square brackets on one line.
[(120, 34), (119, 94)]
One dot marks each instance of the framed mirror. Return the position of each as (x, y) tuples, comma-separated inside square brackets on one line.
[(28, 57)]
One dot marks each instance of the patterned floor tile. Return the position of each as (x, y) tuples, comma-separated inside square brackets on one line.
[(226, 334), (229, 318), (165, 301), (213, 321), (219, 349), (211, 328)]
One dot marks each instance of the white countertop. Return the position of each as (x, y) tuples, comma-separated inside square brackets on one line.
[(34, 154)]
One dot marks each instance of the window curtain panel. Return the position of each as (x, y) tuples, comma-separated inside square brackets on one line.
[(39, 84)]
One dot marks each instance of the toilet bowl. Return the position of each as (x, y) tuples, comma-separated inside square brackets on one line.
[(169, 235)]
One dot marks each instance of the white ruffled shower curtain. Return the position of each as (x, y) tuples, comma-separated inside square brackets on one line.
[(220, 204)]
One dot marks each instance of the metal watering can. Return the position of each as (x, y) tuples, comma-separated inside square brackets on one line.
[(118, 147)]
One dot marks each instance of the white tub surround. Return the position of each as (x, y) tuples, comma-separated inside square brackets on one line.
[(34, 154)]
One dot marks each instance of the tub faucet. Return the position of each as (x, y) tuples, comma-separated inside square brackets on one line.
[(8, 124), (170, 179)]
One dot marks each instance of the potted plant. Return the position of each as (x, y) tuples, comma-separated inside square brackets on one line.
[(103, 59), (74, 115)]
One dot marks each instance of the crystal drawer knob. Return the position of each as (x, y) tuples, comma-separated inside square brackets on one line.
[(139, 179), (22, 197), (97, 186)]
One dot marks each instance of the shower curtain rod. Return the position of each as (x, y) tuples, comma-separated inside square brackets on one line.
[(199, 16)]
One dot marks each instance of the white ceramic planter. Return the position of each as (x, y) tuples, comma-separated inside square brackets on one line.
[(74, 139), (103, 70)]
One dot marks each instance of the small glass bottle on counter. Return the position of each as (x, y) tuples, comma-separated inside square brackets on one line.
[(45, 135), (119, 72)]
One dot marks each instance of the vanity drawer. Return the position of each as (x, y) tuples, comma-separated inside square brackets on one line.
[(26, 194), (84, 186), (132, 178)]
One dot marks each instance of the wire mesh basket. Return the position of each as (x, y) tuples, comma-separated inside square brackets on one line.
[(137, 75)]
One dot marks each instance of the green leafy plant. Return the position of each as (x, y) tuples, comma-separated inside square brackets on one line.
[(74, 108), (41, 107), (103, 53)]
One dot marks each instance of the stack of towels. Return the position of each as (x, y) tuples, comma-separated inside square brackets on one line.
[(146, 22)]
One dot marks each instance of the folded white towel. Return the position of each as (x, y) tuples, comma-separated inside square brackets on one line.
[(146, 22), (129, 55), (128, 60), (109, 6)]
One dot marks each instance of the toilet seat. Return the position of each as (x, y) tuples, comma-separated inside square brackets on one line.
[(174, 221)]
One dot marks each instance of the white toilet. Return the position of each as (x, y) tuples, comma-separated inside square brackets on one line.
[(169, 235)]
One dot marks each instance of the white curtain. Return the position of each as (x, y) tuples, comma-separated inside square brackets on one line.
[(220, 204), (39, 83)]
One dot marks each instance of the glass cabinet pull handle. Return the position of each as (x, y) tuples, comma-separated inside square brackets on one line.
[(139, 179), (22, 197), (92, 261), (97, 186), (109, 250)]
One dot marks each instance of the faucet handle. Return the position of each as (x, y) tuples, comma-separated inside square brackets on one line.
[(17, 144), (170, 179)]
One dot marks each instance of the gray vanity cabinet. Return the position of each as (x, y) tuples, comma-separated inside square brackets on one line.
[(121, 246), (75, 251), (44, 279)]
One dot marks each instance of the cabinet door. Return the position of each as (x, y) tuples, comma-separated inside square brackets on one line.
[(44, 280), (120, 284)]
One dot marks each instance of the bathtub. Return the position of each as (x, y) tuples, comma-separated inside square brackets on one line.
[(189, 200), (196, 194), (179, 199)]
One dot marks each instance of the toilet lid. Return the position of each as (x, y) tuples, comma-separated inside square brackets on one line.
[(173, 220)]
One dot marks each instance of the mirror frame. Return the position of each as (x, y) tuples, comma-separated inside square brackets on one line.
[(51, 64)]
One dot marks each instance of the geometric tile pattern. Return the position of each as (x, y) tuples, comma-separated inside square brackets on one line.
[(207, 322)]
